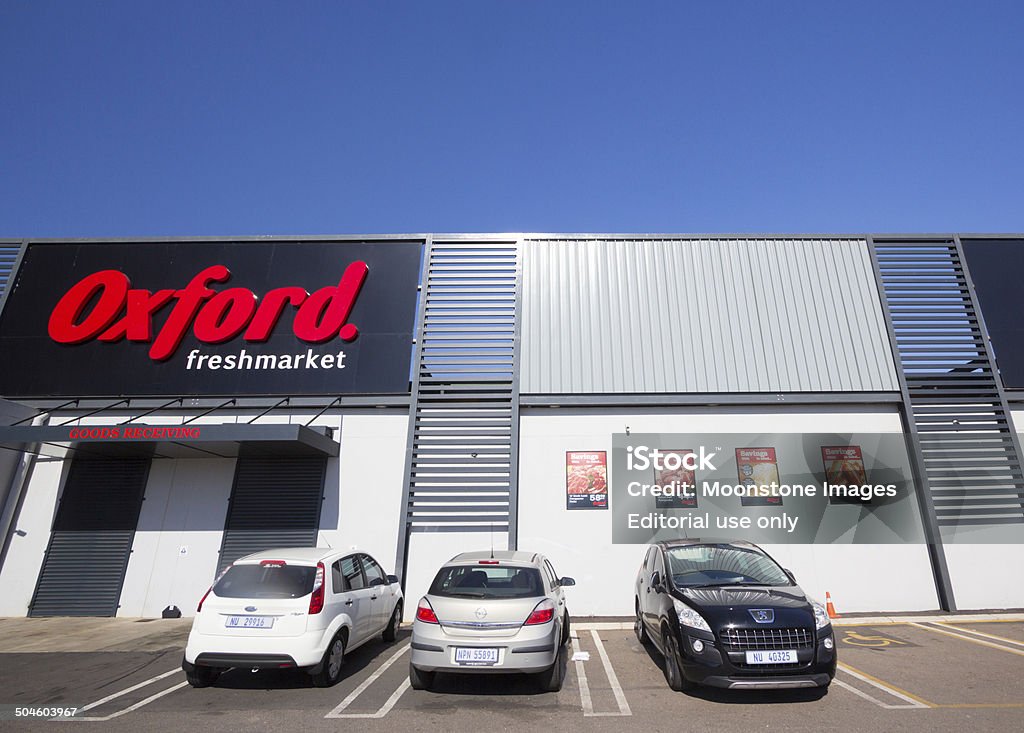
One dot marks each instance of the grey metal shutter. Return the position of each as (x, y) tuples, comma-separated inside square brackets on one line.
[(275, 502), (87, 556)]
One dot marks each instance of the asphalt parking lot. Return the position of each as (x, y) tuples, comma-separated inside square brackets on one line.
[(936, 674)]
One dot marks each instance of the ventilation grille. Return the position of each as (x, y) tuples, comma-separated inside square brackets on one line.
[(461, 474), (963, 430)]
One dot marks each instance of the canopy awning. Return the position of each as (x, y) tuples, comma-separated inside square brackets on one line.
[(221, 440)]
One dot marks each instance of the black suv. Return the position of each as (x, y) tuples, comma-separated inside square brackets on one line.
[(726, 614)]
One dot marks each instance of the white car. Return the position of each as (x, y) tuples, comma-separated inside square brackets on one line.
[(299, 607)]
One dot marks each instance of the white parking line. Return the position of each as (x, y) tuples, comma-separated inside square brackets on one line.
[(125, 691), (1002, 639), (586, 700), (620, 696), (1001, 647), (912, 703), (337, 712)]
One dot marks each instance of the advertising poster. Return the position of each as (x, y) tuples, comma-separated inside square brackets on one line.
[(681, 480), (844, 465), (757, 468), (586, 480)]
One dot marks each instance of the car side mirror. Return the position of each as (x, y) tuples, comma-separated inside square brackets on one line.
[(792, 577), (656, 580), (392, 579), (566, 581), (376, 581)]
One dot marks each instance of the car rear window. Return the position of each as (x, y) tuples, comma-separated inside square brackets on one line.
[(266, 581), (487, 581)]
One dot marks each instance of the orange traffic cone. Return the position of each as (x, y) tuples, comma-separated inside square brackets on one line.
[(829, 607)]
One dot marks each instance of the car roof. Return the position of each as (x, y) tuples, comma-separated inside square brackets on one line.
[(509, 556), (668, 544), (290, 554)]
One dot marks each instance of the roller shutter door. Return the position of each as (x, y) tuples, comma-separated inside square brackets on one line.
[(275, 502), (87, 556)]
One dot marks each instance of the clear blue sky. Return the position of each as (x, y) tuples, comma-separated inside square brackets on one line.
[(196, 118)]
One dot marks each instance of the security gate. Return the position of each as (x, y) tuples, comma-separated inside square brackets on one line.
[(88, 552), (275, 502)]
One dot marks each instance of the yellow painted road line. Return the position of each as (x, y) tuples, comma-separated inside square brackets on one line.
[(981, 633), (886, 687), (1018, 652), (875, 700)]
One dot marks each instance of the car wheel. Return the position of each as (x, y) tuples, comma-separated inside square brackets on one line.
[(551, 679), (566, 631), (391, 630), (329, 669), (673, 667), (419, 679), (638, 626), (203, 676)]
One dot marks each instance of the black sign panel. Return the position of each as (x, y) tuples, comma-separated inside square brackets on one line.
[(210, 318), (997, 269)]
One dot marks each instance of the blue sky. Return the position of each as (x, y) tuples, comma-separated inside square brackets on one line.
[(196, 118)]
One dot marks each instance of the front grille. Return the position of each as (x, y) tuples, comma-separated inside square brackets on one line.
[(741, 640)]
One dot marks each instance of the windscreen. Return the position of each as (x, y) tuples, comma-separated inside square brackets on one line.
[(487, 581), (711, 565), (266, 581)]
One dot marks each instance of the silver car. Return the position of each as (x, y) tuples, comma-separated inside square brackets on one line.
[(492, 612)]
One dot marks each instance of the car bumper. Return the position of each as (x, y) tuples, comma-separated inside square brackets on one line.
[(253, 653), (532, 649), (717, 668)]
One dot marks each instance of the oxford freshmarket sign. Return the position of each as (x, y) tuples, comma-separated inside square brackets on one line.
[(193, 318)]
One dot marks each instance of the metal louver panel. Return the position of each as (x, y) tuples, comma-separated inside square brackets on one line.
[(8, 260), (463, 447), (88, 552), (959, 417), (275, 502)]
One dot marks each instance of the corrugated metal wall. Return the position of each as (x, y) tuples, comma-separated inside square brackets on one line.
[(753, 315)]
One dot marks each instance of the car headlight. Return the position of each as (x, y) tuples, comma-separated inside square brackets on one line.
[(688, 617), (821, 619)]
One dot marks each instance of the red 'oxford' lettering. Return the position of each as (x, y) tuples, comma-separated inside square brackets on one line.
[(103, 305), (110, 286)]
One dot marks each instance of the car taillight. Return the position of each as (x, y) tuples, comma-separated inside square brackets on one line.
[(316, 601), (425, 613), (273, 563), (199, 608), (544, 612), (490, 562)]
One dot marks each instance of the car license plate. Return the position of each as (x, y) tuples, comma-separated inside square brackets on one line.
[(249, 622), (476, 656), (772, 657)]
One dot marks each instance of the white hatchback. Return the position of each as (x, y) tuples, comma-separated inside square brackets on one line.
[(299, 607)]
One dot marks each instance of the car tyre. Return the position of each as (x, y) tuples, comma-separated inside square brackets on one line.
[(551, 679), (566, 630), (420, 679), (203, 676), (673, 666), (328, 672), (390, 632), (638, 626)]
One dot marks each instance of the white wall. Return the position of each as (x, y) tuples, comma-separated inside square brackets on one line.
[(174, 556), (364, 485), (859, 577), (29, 536)]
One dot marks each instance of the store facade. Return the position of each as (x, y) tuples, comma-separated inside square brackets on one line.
[(172, 405)]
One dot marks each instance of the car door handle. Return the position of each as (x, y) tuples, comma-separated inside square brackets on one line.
[(348, 602), (373, 598)]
